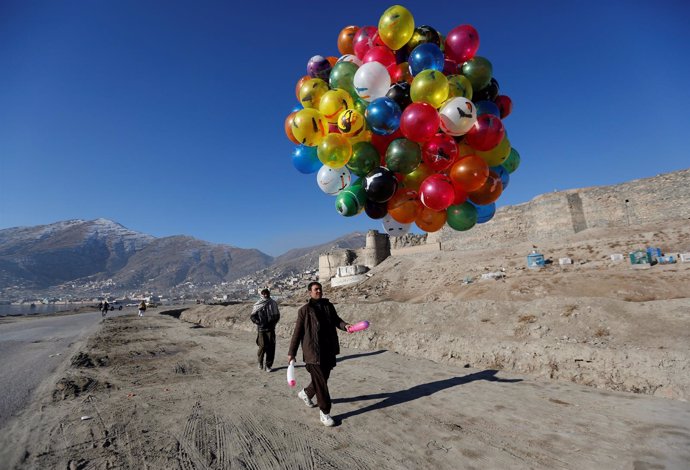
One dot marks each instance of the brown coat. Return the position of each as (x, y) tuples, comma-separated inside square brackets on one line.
[(312, 325)]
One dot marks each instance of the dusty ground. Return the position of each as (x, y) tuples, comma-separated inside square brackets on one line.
[(161, 393)]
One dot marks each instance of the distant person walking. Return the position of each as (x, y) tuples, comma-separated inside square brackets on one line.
[(315, 330), (142, 308), (104, 308), (265, 315)]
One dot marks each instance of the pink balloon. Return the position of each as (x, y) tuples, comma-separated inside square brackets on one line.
[(380, 54), (505, 105), (440, 151), (419, 122), (462, 43), (486, 133), (437, 192), (364, 40)]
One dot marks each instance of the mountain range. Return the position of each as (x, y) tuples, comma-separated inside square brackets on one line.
[(79, 251)]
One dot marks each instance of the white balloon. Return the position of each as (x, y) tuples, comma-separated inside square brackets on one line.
[(372, 81), (394, 228), (458, 115), (333, 180)]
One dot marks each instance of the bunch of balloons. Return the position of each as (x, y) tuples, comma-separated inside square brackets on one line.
[(406, 126)]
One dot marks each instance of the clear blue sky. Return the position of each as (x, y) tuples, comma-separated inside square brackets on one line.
[(167, 116)]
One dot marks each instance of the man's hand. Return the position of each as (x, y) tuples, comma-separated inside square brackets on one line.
[(290, 359)]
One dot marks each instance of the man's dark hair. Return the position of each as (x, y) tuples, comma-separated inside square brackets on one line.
[(313, 283), (266, 292)]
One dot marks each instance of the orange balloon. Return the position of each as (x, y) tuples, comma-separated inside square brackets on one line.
[(288, 127), (470, 172), (300, 82), (414, 179), (345, 39), (488, 192), (430, 221), (404, 206)]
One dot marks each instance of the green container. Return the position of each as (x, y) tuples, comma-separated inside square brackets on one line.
[(639, 257)]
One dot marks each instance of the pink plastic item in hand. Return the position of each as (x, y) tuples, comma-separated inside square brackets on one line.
[(291, 374), (363, 325)]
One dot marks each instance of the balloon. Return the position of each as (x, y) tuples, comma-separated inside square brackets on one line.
[(380, 184), (383, 116), (512, 162), (437, 192), (460, 194), (333, 180), (380, 54), (364, 158), (351, 200), (298, 87), (288, 127), (350, 122), (439, 152), (403, 156), (311, 92), (450, 67), (485, 213), (364, 40), (334, 150), (305, 160), (309, 126), (400, 72), (381, 142), (489, 92), (394, 228), (376, 210), (400, 93), (334, 102), (423, 35), (346, 39), (371, 81), (350, 58), (497, 155), (319, 67), (464, 149), (487, 107), (419, 122), (488, 192), (462, 216), (502, 174), (413, 180), (478, 70), (396, 27), (342, 76), (359, 326), (363, 136), (486, 133), (462, 43), (426, 57), (458, 116), (429, 86), (470, 172), (459, 85), (404, 206), (505, 105), (430, 220)]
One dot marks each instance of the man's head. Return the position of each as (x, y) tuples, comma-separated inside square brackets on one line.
[(315, 290), (265, 293)]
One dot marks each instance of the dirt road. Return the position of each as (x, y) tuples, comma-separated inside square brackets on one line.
[(162, 393)]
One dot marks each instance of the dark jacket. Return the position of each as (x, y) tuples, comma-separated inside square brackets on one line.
[(265, 315), (315, 331)]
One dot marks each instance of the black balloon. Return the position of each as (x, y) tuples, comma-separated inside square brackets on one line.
[(400, 93), (423, 34), (380, 184), (376, 210), (488, 93)]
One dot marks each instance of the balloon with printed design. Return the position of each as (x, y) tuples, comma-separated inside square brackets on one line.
[(405, 205), (333, 180), (396, 27), (486, 133), (489, 192), (461, 43), (311, 91), (383, 116), (437, 192), (305, 159), (403, 156), (430, 220), (371, 81), (346, 40), (419, 122), (439, 152), (351, 200), (394, 228), (426, 56), (334, 150), (309, 127), (334, 102), (364, 158), (364, 40), (380, 184), (458, 115), (478, 71), (429, 86)]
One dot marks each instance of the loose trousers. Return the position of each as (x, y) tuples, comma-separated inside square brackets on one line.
[(266, 340), (319, 386)]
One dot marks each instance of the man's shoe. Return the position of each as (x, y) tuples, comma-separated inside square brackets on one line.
[(261, 367), (268, 369), (326, 419), (307, 401)]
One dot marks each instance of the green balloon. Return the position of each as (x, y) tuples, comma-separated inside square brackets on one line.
[(479, 71), (364, 158), (351, 200), (403, 156), (512, 162), (462, 216), (342, 76)]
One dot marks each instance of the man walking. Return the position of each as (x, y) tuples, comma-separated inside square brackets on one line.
[(315, 330), (265, 315)]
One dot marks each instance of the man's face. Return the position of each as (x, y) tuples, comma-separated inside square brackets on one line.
[(315, 292)]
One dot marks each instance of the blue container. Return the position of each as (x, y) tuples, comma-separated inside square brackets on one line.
[(535, 260), (653, 253)]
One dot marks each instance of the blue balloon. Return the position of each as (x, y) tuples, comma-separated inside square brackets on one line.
[(383, 116), (503, 173), (484, 213), (487, 107), (305, 159), (426, 56)]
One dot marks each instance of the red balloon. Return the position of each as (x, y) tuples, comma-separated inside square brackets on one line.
[(440, 151), (400, 73), (505, 105), (420, 122), (381, 142), (450, 67), (460, 194), (437, 192), (488, 192), (380, 54), (486, 133), (364, 40), (462, 43)]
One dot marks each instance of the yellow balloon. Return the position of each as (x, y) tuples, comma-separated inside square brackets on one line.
[(334, 150), (311, 91), (459, 85), (414, 179), (351, 122), (496, 155), (396, 27), (429, 86), (309, 127), (334, 102), (364, 136)]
